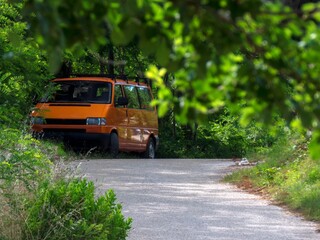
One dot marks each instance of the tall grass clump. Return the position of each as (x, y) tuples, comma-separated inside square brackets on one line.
[(298, 185), (23, 165), (38, 200)]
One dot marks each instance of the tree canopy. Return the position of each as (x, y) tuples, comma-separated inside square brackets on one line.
[(257, 57)]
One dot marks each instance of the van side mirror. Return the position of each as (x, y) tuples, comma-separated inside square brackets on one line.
[(122, 101)]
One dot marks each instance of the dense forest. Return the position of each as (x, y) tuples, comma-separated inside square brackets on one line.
[(231, 79)]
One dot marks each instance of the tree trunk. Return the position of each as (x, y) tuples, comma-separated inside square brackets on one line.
[(65, 69), (195, 130), (110, 59)]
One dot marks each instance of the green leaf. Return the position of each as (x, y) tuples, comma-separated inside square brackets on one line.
[(15, 38), (55, 59), (147, 46), (162, 53), (162, 109), (316, 16), (314, 145), (308, 7), (118, 37), (247, 114)]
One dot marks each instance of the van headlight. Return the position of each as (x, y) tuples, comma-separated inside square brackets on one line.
[(96, 121), (37, 120)]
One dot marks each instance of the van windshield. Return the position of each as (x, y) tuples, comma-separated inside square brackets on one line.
[(79, 92)]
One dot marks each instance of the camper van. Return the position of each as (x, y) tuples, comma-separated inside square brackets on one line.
[(113, 111)]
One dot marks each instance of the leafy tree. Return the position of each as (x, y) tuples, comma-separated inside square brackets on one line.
[(125, 61), (22, 65)]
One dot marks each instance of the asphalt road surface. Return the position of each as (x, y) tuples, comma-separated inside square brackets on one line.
[(183, 199)]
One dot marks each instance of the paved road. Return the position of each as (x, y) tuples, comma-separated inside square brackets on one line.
[(175, 199)]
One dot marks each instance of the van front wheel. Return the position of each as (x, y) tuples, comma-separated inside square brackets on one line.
[(151, 149), (114, 144)]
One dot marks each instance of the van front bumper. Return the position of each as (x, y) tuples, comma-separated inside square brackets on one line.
[(72, 135)]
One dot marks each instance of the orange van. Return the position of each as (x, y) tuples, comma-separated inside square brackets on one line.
[(116, 112)]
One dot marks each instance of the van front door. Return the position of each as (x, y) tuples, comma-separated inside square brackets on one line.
[(120, 118)]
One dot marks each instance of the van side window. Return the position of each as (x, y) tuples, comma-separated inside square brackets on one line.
[(132, 95), (145, 98), (117, 94)]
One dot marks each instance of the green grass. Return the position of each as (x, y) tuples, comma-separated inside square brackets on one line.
[(288, 175)]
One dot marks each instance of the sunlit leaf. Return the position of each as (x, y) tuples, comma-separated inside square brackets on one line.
[(314, 145), (118, 37), (162, 53), (308, 7), (55, 60)]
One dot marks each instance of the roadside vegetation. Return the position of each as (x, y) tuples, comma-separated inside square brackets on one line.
[(285, 174), (221, 136), (41, 197)]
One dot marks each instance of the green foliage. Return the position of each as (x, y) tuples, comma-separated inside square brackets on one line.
[(225, 47), (252, 54), (289, 147), (261, 54), (298, 186), (37, 202), (24, 163), (21, 160), (22, 65), (287, 174), (127, 60), (221, 137), (69, 210), (237, 139)]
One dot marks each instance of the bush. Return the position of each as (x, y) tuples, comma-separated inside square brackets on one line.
[(69, 210), (221, 137), (38, 202), (21, 159), (23, 164)]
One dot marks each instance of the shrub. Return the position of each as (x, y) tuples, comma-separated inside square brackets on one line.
[(221, 136), (38, 202), (21, 159), (69, 210), (23, 165)]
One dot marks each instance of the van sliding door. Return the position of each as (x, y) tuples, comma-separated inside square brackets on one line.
[(149, 118), (134, 137)]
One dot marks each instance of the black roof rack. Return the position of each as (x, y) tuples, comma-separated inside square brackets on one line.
[(112, 76), (137, 79)]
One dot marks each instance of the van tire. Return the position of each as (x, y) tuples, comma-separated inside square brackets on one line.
[(114, 145), (151, 149)]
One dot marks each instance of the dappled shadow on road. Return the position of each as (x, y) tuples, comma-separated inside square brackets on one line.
[(184, 200)]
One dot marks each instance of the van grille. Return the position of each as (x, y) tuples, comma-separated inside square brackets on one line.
[(69, 105), (66, 121), (58, 130)]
